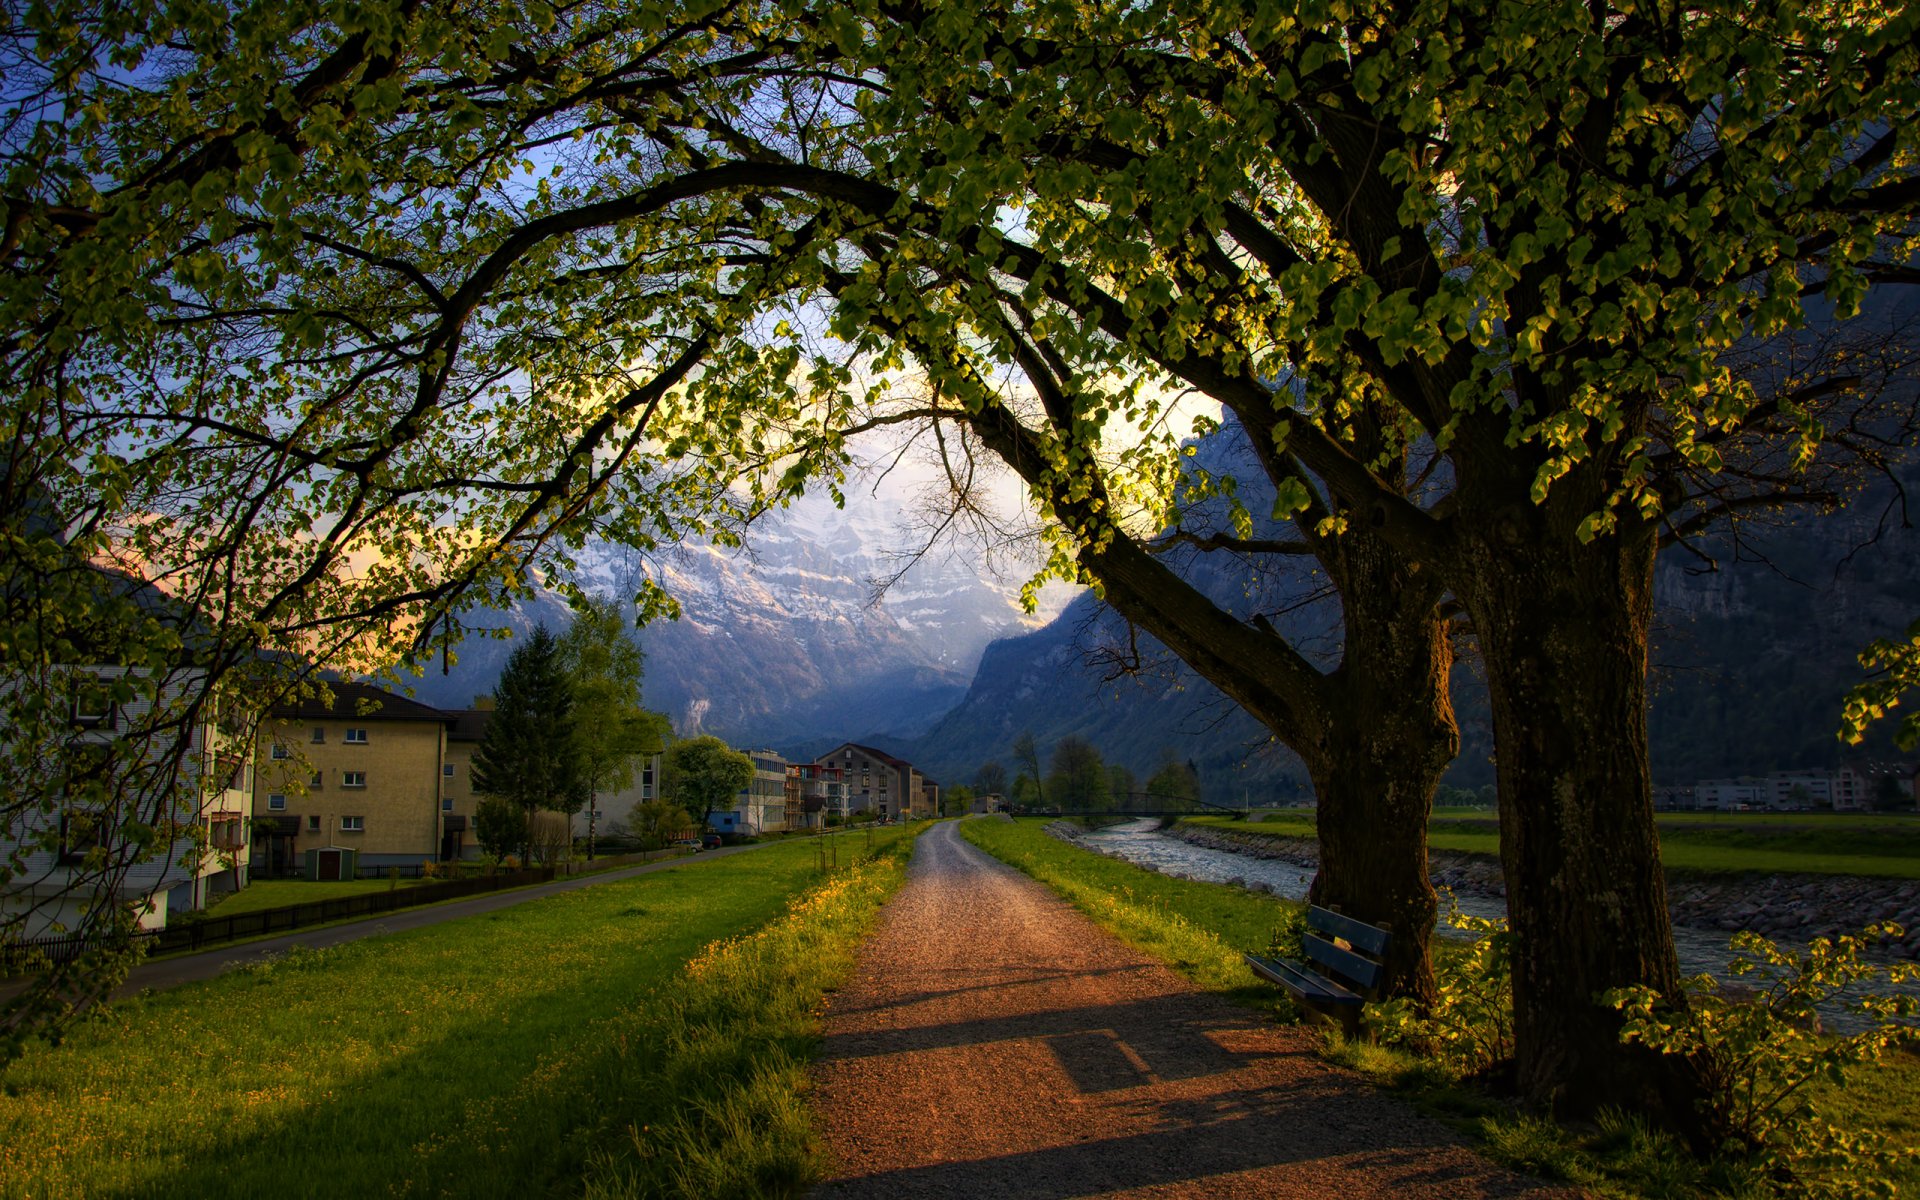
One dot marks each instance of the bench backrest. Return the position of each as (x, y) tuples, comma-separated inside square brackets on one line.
[(1359, 965)]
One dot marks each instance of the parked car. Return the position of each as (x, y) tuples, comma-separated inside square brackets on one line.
[(710, 842)]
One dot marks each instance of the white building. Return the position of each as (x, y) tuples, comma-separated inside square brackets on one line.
[(143, 770), (762, 807), (1731, 795)]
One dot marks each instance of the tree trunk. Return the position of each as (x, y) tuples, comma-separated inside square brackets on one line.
[(1562, 627), (1390, 735), (1373, 852)]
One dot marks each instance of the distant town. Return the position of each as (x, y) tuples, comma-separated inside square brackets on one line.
[(1867, 787), (363, 782)]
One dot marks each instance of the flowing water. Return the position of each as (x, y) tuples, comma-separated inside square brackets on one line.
[(1701, 950)]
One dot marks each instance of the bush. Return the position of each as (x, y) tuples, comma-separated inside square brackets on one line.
[(1470, 1026), (1757, 1053)]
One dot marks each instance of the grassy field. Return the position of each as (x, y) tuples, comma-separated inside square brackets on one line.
[(1881, 844), (1200, 929), (643, 1036)]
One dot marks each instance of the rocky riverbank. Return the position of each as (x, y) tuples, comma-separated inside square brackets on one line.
[(1794, 908)]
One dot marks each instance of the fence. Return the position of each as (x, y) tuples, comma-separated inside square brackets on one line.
[(36, 953)]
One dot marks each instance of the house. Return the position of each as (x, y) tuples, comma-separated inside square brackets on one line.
[(1791, 790), (1730, 795), (929, 804), (988, 802), (458, 800), (355, 782), (165, 762)]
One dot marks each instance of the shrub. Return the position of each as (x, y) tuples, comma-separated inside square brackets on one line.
[(1470, 1026), (1757, 1053)]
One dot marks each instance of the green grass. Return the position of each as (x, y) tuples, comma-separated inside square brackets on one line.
[(601, 1039), (278, 893), (1883, 845)]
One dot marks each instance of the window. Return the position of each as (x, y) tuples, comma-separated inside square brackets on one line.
[(446, 770), (319, 780), (353, 779), (356, 737), (446, 804), (353, 824), (281, 753), (313, 824), (319, 735), (276, 802), (83, 819), (92, 705), (229, 834)]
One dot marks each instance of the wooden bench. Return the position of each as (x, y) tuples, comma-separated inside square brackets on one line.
[(1343, 970)]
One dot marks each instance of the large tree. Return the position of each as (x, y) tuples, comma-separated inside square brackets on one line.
[(1472, 278), (604, 666), (528, 755), (704, 773), (280, 341)]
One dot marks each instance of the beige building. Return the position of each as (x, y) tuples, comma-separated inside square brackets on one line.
[(877, 780), (355, 784)]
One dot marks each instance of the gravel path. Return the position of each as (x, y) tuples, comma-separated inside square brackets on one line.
[(994, 1042)]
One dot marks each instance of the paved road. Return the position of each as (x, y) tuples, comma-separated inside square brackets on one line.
[(994, 1042), (190, 968)]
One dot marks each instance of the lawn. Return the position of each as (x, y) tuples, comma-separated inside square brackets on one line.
[(593, 1041), (278, 893), (1879, 844)]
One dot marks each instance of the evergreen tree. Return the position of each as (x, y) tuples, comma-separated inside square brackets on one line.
[(528, 756)]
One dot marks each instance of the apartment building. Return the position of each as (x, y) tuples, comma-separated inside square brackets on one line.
[(355, 781), (877, 781), (814, 792), (79, 844), (762, 807)]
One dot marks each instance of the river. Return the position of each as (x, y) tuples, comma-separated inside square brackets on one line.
[(1702, 951)]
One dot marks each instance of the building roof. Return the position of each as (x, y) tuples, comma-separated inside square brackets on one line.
[(468, 724), (870, 752), (364, 701)]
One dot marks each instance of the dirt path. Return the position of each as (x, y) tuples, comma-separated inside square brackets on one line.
[(994, 1042)]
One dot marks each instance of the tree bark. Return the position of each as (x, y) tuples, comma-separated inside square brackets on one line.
[(1562, 627), (1390, 736)]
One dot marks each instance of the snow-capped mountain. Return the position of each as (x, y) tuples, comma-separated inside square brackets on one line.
[(783, 642)]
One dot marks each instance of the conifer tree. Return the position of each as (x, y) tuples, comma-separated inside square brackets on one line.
[(528, 755)]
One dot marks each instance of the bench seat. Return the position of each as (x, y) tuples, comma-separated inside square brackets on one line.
[(1342, 971), (1302, 981)]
